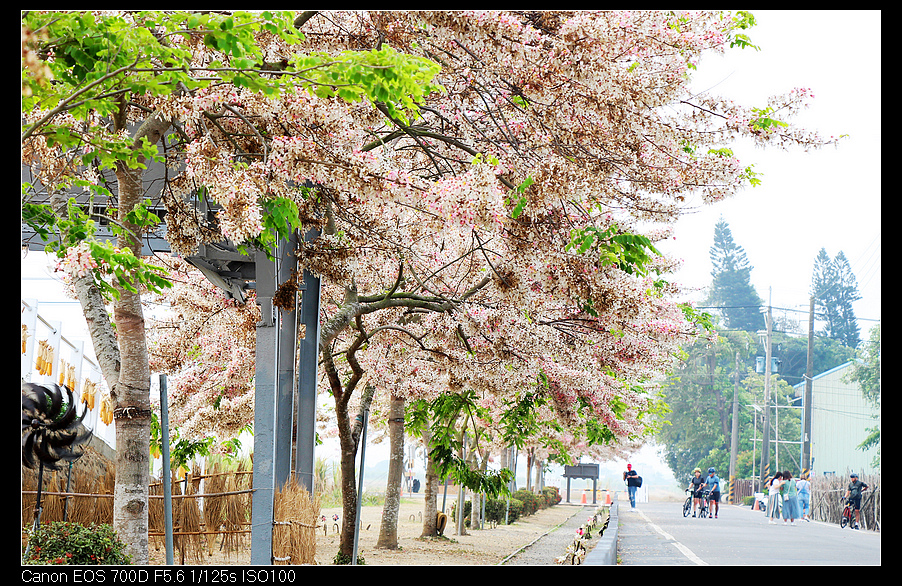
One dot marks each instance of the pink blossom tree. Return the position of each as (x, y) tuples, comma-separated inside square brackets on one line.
[(489, 187)]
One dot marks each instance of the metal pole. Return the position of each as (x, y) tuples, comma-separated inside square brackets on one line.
[(167, 473), (66, 499), (765, 444), (755, 447), (806, 416), (286, 346), (308, 355), (460, 496), (37, 507), (365, 416), (734, 430), (507, 506), (264, 415)]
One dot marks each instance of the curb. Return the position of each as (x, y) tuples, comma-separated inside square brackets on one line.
[(534, 541), (605, 551)]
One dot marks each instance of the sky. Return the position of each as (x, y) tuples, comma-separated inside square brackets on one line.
[(828, 198)]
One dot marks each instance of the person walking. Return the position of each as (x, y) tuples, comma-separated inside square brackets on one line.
[(804, 486), (695, 485), (712, 483), (632, 484), (790, 493), (773, 497)]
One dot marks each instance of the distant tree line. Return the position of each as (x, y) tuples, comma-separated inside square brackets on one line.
[(700, 392)]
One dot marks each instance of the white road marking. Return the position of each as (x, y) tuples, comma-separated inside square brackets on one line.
[(683, 549)]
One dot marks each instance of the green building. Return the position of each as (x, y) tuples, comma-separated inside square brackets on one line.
[(840, 418)]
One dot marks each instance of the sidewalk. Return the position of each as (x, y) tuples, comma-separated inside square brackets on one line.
[(544, 550)]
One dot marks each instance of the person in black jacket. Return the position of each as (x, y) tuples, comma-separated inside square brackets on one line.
[(632, 483)]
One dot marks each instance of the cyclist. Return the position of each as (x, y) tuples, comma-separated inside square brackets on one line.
[(712, 483), (853, 495), (696, 484)]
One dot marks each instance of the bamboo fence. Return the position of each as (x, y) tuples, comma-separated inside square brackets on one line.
[(826, 499), (205, 506)]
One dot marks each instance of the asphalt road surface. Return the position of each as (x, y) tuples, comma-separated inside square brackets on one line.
[(658, 534)]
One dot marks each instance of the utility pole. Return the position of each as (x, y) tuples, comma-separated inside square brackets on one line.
[(765, 442), (809, 373), (734, 432)]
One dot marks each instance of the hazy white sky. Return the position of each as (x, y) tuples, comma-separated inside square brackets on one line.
[(822, 199), (807, 201)]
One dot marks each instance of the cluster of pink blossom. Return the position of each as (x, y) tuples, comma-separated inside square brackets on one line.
[(594, 107), (77, 262), (206, 342), (471, 200), (236, 187)]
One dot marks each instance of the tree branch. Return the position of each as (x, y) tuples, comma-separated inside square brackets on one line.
[(64, 104)]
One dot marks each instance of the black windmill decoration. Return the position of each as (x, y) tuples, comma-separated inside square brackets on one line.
[(52, 432)]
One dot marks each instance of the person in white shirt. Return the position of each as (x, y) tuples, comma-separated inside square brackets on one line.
[(773, 498)]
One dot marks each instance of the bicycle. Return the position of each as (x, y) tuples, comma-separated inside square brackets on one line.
[(687, 506), (846, 518), (703, 508)]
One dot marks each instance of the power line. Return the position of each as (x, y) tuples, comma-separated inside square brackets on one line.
[(777, 308)]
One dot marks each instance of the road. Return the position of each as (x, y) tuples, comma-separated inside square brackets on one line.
[(658, 534)]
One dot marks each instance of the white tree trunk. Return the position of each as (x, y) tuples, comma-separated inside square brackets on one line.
[(388, 530), (131, 393)]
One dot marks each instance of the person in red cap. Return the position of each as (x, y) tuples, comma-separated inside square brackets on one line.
[(631, 477)]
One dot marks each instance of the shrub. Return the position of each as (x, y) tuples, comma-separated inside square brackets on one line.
[(552, 494), (72, 543), (341, 559), (530, 502), (468, 508), (495, 510), (542, 501), (515, 511)]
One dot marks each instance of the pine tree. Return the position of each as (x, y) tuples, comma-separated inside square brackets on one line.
[(835, 288), (847, 293), (731, 287), (823, 281)]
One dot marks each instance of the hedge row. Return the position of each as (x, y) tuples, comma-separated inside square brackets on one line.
[(522, 503)]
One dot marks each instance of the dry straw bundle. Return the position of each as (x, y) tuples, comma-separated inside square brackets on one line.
[(103, 507), (294, 534), (52, 504), (214, 483), (156, 515), (189, 521), (29, 483), (235, 509)]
